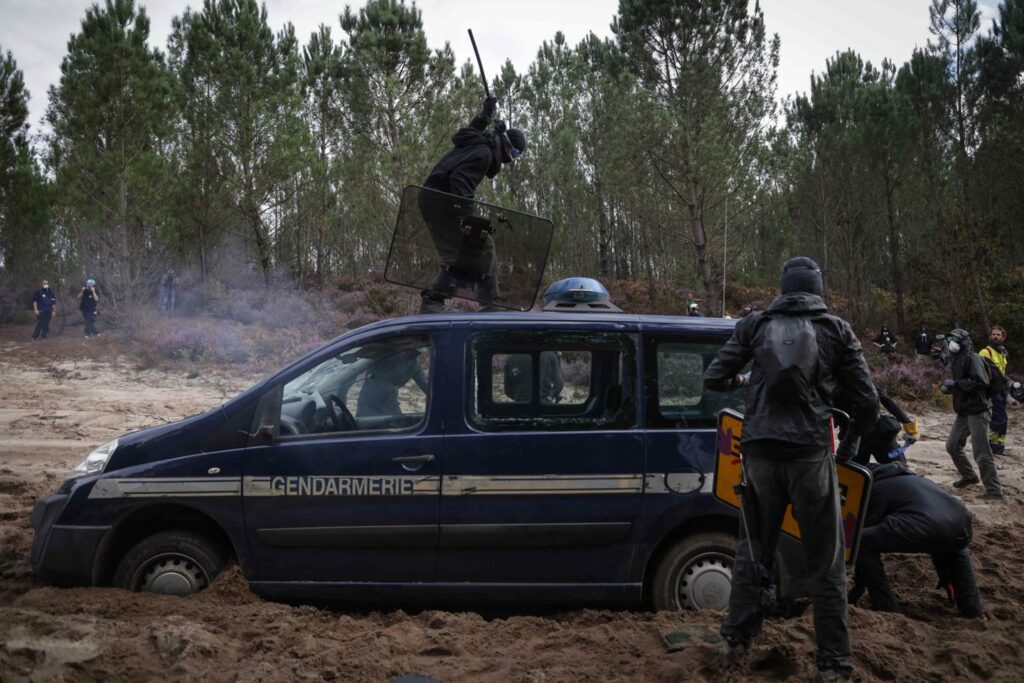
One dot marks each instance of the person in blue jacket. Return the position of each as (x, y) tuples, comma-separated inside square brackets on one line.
[(43, 303)]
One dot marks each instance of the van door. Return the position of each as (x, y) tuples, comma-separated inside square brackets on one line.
[(346, 487), (544, 465)]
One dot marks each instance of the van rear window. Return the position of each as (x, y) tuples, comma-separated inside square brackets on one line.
[(675, 384), (543, 381)]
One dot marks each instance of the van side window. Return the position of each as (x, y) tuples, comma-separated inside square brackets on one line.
[(675, 384), (545, 381), (381, 385)]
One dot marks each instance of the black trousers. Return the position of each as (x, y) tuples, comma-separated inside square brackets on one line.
[(950, 556), (997, 427), (43, 324), (89, 315), (812, 488), (467, 259)]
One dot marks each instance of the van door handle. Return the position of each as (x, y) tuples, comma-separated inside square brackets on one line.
[(413, 459)]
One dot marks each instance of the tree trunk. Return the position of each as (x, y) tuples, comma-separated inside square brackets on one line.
[(700, 248), (602, 233), (894, 255)]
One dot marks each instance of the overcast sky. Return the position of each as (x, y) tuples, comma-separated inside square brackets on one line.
[(37, 31)]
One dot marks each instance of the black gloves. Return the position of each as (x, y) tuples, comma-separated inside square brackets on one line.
[(490, 106), (848, 448), (947, 386)]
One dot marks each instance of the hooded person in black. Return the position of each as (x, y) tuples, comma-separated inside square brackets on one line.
[(910, 514), (463, 241), (923, 342), (787, 456), (969, 386)]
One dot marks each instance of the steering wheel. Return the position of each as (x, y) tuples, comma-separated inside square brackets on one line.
[(342, 419)]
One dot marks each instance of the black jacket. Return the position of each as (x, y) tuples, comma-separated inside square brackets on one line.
[(970, 395), (915, 509), (477, 153), (840, 363), (923, 343)]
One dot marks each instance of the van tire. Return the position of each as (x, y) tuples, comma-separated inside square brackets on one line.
[(170, 563), (695, 573)]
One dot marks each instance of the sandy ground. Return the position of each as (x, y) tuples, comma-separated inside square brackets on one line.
[(59, 399)]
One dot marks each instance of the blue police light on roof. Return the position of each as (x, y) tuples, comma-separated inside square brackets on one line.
[(577, 293), (576, 289)]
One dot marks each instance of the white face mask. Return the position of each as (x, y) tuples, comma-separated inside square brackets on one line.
[(46, 286), (954, 347)]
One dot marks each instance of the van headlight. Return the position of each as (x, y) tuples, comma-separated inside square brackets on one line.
[(95, 461)]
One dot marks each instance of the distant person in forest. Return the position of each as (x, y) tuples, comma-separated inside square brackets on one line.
[(969, 387), (168, 285), (43, 303), (886, 340), (693, 310), (910, 514), (88, 299), (463, 240), (923, 342), (997, 353)]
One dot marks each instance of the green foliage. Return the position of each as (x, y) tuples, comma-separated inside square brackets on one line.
[(657, 153), (107, 149)]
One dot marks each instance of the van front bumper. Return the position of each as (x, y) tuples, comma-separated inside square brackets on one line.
[(63, 554)]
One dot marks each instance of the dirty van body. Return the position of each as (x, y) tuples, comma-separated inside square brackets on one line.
[(596, 492)]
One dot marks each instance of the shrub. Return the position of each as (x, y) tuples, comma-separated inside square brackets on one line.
[(914, 381), (196, 343)]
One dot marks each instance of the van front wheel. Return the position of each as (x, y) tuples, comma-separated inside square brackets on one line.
[(695, 573), (170, 563)]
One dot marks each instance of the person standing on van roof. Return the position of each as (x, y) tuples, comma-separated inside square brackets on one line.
[(43, 303), (910, 514), (467, 257), (801, 354)]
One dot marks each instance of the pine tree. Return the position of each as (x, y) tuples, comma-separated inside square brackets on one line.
[(110, 124)]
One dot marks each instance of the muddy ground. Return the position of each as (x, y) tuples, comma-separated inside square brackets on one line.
[(62, 397)]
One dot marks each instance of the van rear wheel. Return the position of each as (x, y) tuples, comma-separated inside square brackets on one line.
[(170, 563), (695, 573)]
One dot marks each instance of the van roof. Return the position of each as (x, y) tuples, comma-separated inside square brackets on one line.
[(713, 326)]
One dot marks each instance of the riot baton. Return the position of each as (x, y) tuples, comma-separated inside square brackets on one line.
[(479, 63)]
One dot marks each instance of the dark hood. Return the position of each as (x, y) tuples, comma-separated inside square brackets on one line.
[(471, 137), (891, 469), (798, 303)]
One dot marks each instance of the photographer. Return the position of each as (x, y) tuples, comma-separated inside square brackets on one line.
[(87, 302)]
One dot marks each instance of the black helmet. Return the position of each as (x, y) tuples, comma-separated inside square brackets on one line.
[(959, 334), (517, 139)]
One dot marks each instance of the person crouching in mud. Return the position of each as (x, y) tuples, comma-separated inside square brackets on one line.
[(464, 241)]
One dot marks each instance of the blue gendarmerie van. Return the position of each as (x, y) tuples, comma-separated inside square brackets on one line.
[(489, 457)]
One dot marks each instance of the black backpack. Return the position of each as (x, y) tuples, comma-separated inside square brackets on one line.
[(788, 359), (996, 379)]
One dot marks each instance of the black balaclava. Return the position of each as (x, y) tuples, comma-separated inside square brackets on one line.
[(801, 274), (518, 140)]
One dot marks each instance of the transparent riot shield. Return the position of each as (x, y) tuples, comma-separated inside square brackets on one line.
[(461, 248)]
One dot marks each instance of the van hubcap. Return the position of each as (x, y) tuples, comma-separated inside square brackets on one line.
[(705, 582), (172, 574)]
